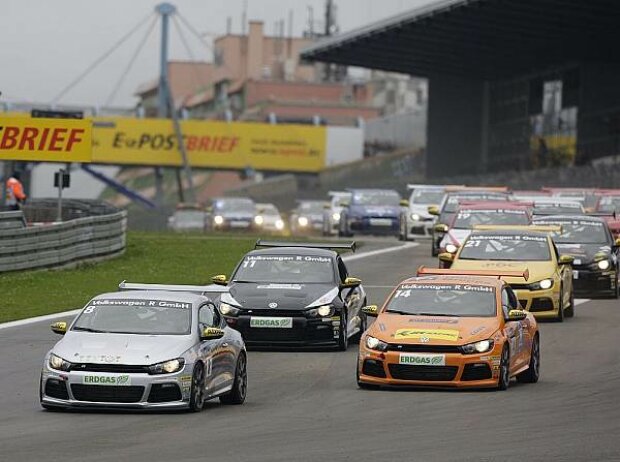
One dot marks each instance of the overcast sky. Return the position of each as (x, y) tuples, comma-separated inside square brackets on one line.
[(48, 43)]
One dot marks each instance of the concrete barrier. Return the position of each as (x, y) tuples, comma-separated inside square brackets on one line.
[(53, 245)]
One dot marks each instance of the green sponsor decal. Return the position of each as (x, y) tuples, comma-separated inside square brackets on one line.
[(121, 380), (277, 323), (423, 360)]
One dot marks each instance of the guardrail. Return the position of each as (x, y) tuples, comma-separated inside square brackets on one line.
[(93, 231)]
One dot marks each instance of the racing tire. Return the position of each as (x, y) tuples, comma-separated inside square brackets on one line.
[(533, 371), (560, 316), (570, 311), (503, 381), (197, 390), (240, 386), (363, 326), (343, 336)]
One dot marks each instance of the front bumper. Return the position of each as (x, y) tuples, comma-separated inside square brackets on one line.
[(419, 228), (459, 370), (139, 391), (302, 331), (375, 225), (235, 225), (543, 304), (589, 283)]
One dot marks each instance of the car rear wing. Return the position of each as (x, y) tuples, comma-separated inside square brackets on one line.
[(535, 228), (211, 288), (350, 246), (424, 271), (602, 214), (438, 187), (501, 189)]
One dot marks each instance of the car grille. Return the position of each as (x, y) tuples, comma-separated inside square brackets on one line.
[(541, 304), (164, 392), (118, 368), (478, 371), (430, 373), (107, 393), (373, 368), (56, 389), (424, 348), (520, 286)]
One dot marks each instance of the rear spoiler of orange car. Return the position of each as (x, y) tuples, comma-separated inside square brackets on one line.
[(536, 228), (424, 271)]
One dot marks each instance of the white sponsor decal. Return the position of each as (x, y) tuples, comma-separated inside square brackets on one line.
[(271, 323), (422, 359)]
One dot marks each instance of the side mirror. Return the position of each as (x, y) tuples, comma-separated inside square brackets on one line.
[(220, 280), (211, 333), (344, 204), (517, 315), (404, 203), (433, 210), (371, 310), (446, 257), (617, 242), (566, 260), (327, 206), (59, 327), (441, 228), (351, 282)]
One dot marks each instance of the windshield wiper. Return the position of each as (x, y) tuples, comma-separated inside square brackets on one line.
[(398, 312), (89, 329), (435, 314)]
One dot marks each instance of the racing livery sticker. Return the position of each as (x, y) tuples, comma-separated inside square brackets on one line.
[(449, 335), (422, 359)]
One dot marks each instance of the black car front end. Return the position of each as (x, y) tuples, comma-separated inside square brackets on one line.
[(595, 279)]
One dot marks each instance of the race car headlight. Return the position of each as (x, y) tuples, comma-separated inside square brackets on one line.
[(603, 265), (451, 248), (415, 217), (279, 225), (478, 347), (218, 219), (336, 216), (258, 219), (303, 221), (167, 367), (375, 344), (228, 310), (542, 285), (322, 311), (57, 363)]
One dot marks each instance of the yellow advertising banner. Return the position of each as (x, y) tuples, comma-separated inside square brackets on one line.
[(209, 144), (45, 140)]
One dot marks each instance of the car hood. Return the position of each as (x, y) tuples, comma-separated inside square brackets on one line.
[(537, 269), (584, 253), (260, 296), (432, 330), (89, 347), (420, 209), (236, 215), (375, 210)]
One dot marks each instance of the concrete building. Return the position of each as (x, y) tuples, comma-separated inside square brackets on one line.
[(512, 85)]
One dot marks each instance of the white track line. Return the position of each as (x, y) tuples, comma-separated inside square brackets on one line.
[(47, 317), (581, 301)]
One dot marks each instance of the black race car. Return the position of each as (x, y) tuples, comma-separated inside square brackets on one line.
[(589, 240), (294, 295)]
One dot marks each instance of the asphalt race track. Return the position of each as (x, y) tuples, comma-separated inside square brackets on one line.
[(305, 406)]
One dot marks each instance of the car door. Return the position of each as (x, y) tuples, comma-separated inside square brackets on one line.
[(566, 276), (210, 350), (514, 330), (353, 298)]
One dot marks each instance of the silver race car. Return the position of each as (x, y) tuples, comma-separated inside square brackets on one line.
[(149, 346)]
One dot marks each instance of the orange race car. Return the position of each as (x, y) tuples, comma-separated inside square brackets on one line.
[(451, 329)]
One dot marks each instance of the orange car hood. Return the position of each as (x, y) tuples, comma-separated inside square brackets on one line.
[(432, 330)]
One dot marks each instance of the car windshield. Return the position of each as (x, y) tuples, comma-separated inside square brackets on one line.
[(558, 209), (285, 269), (443, 300), (452, 204), (506, 247), (467, 219), (235, 205), (311, 207), (135, 316), (426, 196), (609, 204), (578, 231), (390, 198)]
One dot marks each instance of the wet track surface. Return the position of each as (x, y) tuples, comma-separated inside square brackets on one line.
[(305, 406)]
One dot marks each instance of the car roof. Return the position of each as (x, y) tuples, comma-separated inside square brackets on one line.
[(186, 297), (312, 251), (486, 281)]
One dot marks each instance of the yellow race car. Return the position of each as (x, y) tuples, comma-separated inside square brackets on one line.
[(548, 291)]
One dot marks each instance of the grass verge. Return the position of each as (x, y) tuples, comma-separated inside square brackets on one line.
[(150, 257)]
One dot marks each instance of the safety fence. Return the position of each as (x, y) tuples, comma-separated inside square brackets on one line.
[(31, 239)]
